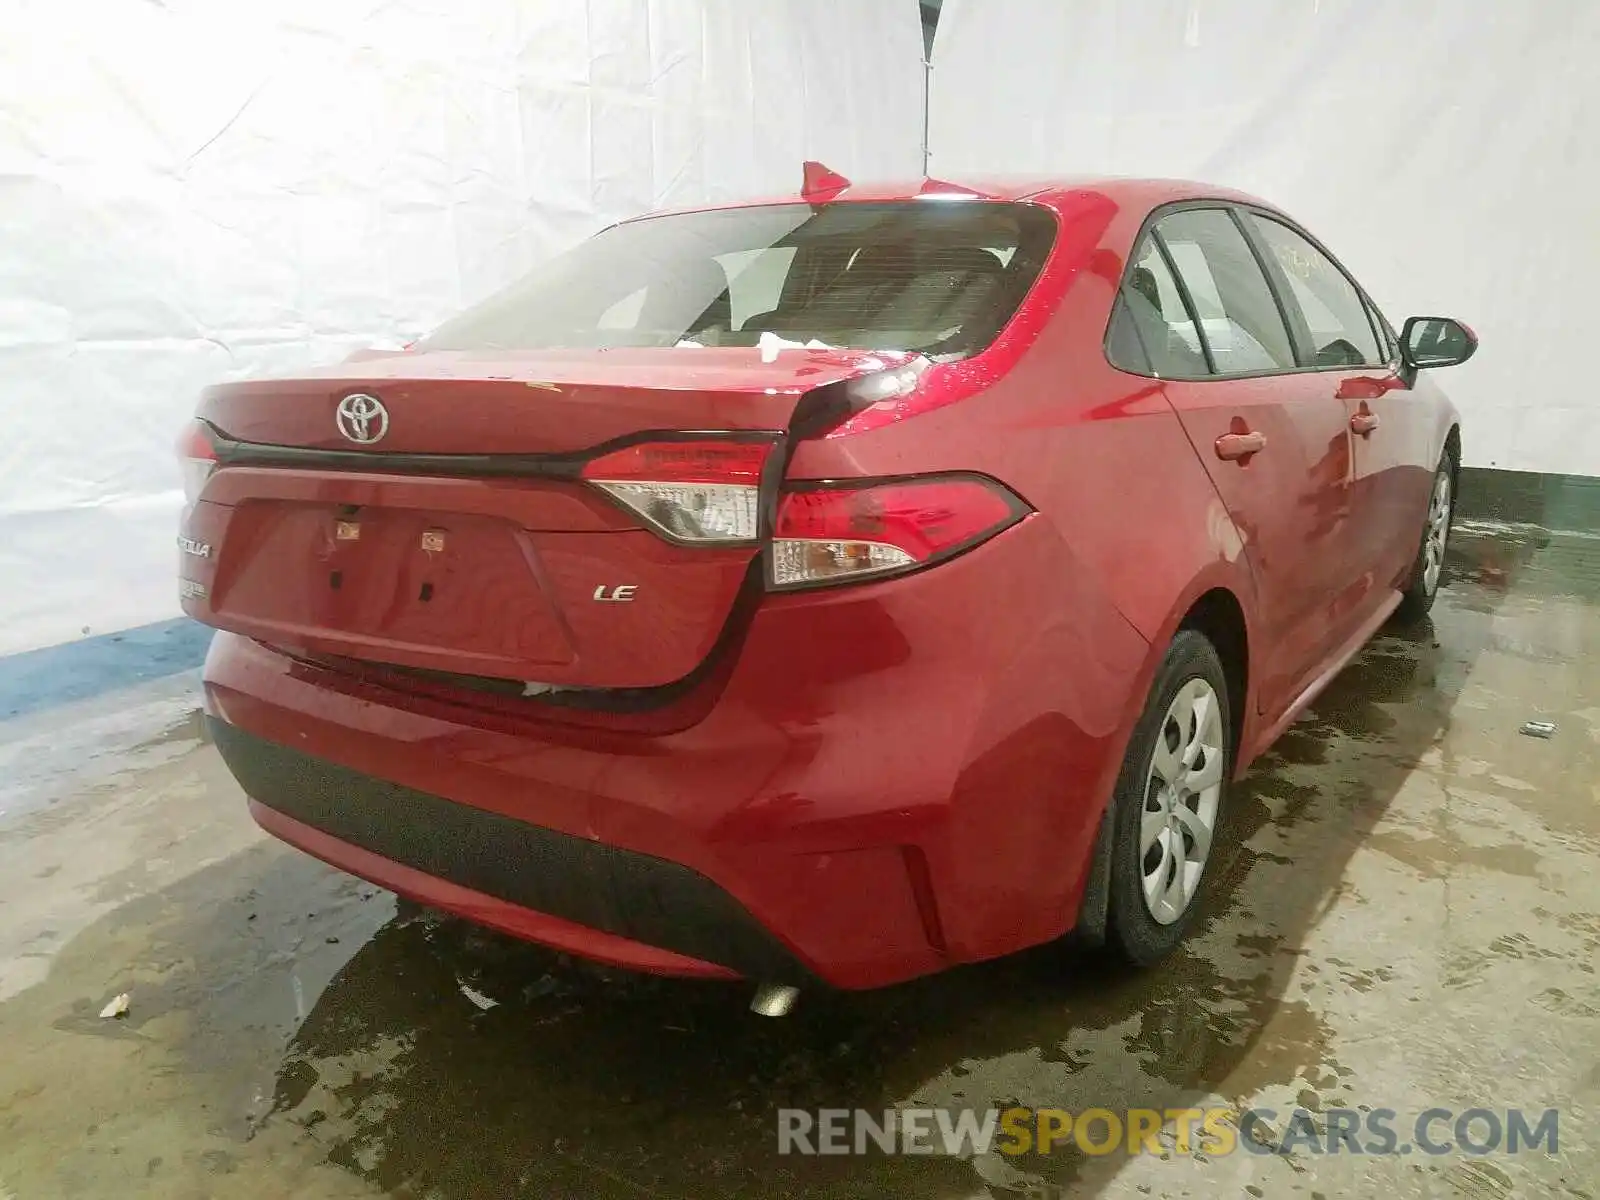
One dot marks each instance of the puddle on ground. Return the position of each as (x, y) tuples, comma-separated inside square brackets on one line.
[(296, 1017)]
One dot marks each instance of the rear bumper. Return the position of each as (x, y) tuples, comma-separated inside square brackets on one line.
[(614, 905), (889, 779), (483, 909)]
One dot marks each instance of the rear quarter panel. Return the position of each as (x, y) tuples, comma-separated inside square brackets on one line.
[(1142, 534), (1098, 452)]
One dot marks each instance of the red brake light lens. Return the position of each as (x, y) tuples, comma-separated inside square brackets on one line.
[(695, 491), (197, 458), (682, 462), (835, 535)]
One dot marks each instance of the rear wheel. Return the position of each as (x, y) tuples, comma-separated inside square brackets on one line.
[(1428, 570), (1168, 801)]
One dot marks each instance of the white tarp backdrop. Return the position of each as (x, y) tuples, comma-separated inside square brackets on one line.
[(199, 190), (1446, 150)]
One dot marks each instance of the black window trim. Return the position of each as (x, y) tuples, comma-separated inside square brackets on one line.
[(1264, 252), (1297, 340), (1302, 344), (1189, 306), (1386, 333)]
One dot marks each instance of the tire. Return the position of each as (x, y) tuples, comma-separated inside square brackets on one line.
[(1169, 795), (1427, 571)]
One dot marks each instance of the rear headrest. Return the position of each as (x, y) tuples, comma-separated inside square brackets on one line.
[(960, 260), (887, 260)]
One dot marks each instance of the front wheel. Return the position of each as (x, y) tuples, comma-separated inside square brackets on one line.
[(1168, 801), (1428, 570)]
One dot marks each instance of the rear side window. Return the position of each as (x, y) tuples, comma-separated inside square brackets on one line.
[(939, 277), (1151, 331), (1124, 349), (1341, 330), (1239, 318)]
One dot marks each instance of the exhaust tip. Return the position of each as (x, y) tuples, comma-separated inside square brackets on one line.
[(774, 1000)]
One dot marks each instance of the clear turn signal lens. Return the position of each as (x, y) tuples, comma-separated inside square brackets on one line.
[(692, 512), (700, 491)]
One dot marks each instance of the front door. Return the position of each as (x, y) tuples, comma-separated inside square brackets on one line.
[(1391, 427)]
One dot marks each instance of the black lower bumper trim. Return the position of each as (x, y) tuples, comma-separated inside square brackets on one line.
[(632, 895)]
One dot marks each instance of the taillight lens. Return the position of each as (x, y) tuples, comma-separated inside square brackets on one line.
[(197, 458), (694, 491), (838, 534)]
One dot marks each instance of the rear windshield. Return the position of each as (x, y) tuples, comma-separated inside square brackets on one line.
[(938, 276)]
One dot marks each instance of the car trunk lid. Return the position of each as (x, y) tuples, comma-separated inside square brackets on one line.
[(497, 523)]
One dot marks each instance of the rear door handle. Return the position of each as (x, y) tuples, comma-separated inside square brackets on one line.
[(1231, 447), (1364, 422)]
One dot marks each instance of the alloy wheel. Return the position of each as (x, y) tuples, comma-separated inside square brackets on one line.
[(1438, 532), (1183, 792)]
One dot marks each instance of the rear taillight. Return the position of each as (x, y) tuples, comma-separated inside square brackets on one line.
[(707, 492), (832, 534), (695, 491), (198, 458)]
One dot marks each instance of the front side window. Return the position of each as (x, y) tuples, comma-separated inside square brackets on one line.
[(938, 277), (1239, 319), (1341, 331), (1385, 331)]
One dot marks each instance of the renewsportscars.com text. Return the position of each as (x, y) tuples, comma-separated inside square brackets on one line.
[(1212, 1131)]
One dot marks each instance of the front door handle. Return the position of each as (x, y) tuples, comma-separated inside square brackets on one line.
[(1364, 422), (1234, 447)]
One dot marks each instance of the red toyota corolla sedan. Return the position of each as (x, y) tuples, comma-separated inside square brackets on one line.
[(836, 588)]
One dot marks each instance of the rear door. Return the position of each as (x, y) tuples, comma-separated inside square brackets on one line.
[(1392, 427), (1274, 439)]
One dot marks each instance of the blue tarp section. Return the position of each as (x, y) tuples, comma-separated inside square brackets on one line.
[(40, 679)]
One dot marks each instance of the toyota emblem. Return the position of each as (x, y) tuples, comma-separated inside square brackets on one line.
[(362, 418)]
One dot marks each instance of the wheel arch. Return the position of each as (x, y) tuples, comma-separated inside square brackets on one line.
[(1213, 607), (1452, 447), (1218, 615), (1219, 602)]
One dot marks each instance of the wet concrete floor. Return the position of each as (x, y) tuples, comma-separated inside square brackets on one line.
[(1406, 916)]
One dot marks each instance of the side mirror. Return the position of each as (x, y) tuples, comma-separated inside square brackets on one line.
[(1436, 342)]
